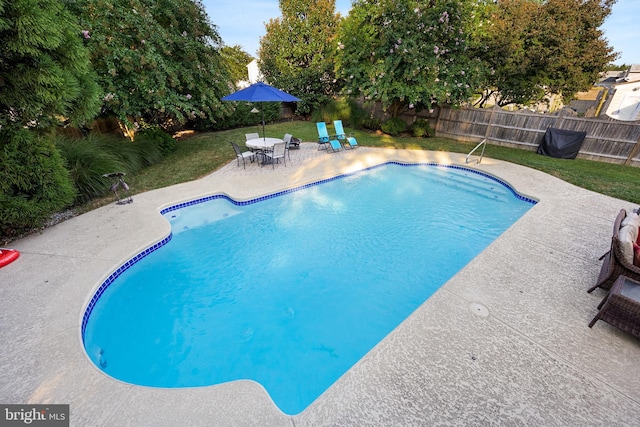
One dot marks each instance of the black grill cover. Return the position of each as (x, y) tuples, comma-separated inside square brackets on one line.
[(561, 143)]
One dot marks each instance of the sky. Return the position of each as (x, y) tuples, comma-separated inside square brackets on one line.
[(242, 22)]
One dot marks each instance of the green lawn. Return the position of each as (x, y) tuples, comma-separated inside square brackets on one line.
[(200, 154)]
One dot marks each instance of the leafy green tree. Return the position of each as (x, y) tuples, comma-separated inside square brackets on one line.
[(538, 48), (45, 77), (410, 53), (514, 77), (157, 60), (45, 74), (616, 67), (576, 47), (297, 51), (236, 60)]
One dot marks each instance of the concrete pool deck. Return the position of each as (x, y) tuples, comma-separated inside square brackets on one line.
[(504, 342)]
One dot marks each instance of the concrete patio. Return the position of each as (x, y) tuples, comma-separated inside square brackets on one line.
[(505, 342)]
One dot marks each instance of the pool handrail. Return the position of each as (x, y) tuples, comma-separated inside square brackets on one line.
[(484, 144)]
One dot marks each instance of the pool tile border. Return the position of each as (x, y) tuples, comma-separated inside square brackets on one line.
[(124, 267)]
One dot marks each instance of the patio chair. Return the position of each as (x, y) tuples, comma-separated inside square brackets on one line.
[(347, 141), (351, 142), (334, 145), (278, 152), (294, 143), (287, 146), (259, 152), (323, 135), (243, 155), (615, 263)]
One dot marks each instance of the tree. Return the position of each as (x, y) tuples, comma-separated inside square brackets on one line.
[(236, 60), (297, 51), (538, 48), (410, 54), (45, 77), (514, 78), (45, 74), (576, 51), (157, 60)]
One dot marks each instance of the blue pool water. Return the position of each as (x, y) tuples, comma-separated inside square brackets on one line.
[(293, 290)]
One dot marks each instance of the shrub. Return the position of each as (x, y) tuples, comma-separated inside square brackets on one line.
[(156, 136), (241, 117), (34, 182), (421, 129), (394, 126), (87, 160), (371, 123), (345, 109), (91, 157)]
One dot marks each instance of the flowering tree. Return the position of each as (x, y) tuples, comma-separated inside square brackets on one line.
[(410, 53), (297, 51), (157, 60)]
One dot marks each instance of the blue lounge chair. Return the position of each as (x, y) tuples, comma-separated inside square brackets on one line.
[(323, 134), (352, 142), (335, 145), (349, 141), (337, 125)]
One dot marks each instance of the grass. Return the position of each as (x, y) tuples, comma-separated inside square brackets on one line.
[(201, 154)]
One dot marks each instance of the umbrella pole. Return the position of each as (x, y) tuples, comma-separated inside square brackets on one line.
[(263, 135)]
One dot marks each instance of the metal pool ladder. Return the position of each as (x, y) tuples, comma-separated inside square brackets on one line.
[(484, 144)]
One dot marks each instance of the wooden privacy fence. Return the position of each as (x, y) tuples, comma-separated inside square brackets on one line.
[(607, 140)]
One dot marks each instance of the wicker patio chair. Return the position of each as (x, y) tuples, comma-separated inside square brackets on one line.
[(615, 263), (621, 307)]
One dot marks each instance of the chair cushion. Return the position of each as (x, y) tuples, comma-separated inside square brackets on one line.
[(629, 235), (633, 219), (636, 256)]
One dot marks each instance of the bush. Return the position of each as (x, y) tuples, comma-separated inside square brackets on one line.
[(344, 109), (394, 126), (371, 123), (34, 183), (156, 136), (241, 117), (421, 129), (95, 155), (87, 160)]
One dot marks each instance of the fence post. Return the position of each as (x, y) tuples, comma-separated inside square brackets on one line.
[(437, 129), (493, 112), (632, 154), (560, 120)]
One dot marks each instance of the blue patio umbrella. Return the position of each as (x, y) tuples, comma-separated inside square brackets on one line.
[(261, 92)]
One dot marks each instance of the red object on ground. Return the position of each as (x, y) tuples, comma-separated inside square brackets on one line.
[(7, 256)]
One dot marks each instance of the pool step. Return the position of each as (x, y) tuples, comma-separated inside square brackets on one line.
[(470, 182)]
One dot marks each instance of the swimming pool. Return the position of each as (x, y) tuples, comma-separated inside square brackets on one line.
[(292, 289)]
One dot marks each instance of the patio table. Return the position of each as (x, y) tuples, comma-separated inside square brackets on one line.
[(262, 143), (621, 307)]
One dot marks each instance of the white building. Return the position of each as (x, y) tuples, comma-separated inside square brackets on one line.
[(625, 103), (255, 75)]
